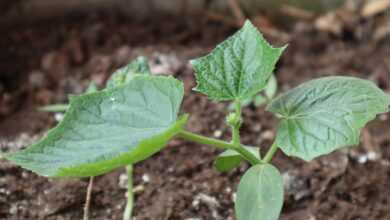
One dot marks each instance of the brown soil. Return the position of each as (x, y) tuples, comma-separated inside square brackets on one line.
[(41, 65)]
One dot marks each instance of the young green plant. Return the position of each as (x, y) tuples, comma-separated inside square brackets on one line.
[(130, 121)]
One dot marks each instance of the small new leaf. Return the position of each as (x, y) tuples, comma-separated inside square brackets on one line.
[(230, 159), (260, 194), (125, 74), (271, 88), (105, 130), (238, 68), (325, 114)]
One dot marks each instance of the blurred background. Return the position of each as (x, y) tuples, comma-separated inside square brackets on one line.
[(53, 48)]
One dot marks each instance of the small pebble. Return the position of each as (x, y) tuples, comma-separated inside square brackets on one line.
[(257, 128), (234, 197), (146, 178), (217, 133), (383, 117), (372, 156), (362, 159), (228, 190), (36, 79), (14, 209), (369, 156), (267, 135), (123, 181)]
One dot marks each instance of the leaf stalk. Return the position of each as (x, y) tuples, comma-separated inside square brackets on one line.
[(270, 153), (200, 139)]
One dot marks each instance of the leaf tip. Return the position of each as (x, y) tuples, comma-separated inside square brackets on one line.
[(283, 48), (248, 24)]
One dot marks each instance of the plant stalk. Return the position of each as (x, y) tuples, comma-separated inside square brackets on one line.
[(200, 139), (247, 155), (54, 108), (236, 140), (236, 127), (270, 153), (127, 215)]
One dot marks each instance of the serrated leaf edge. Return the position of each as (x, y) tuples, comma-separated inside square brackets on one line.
[(221, 46)]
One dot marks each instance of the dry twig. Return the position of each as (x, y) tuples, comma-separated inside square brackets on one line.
[(237, 12), (297, 12), (221, 18), (88, 199)]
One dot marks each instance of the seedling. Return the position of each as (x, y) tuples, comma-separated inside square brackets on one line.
[(137, 115)]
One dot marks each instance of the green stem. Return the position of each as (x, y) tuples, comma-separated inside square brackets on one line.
[(200, 139), (236, 127), (236, 135), (54, 108), (127, 215), (237, 107), (270, 153), (252, 159)]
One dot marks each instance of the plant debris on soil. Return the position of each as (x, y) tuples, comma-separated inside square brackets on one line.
[(42, 65)]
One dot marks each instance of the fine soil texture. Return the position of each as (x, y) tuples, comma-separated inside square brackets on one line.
[(43, 64)]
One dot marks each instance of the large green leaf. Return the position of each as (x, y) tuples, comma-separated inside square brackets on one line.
[(238, 68), (260, 194), (125, 74), (109, 129), (229, 159), (326, 114)]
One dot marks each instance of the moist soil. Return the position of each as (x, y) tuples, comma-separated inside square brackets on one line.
[(42, 64)]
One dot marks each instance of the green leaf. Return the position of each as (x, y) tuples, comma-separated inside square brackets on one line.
[(238, 68), (125, 74), (108, 129), (326, 114), (260, 194), (230, 159)]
